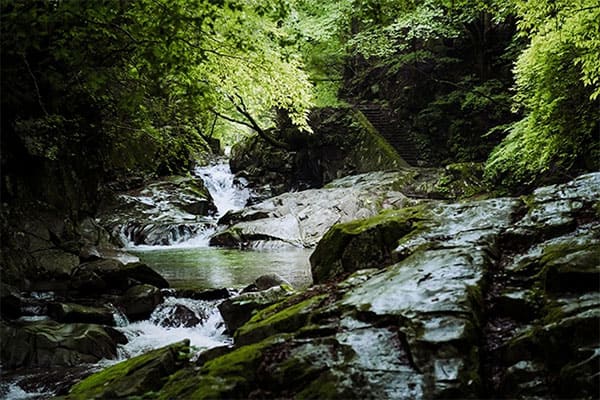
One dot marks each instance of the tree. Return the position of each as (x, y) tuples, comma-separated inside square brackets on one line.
[(558, 85), (113, 84)]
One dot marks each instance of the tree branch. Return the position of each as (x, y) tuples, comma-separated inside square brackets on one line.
[(241, 108), (35, 84)]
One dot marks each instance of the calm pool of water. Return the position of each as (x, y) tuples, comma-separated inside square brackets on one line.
[(209, 267)]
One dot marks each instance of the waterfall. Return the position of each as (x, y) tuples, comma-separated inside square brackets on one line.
[(228, 193), (165, 223)]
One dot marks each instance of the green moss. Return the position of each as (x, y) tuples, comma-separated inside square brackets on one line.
[(377, 145), (273, 320), (326, 386), (124, 378), (231, 375), (379, 234)]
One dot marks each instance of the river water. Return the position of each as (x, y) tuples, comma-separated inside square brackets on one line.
[(192, 264)]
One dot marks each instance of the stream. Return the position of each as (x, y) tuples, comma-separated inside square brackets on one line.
[(187, 264)]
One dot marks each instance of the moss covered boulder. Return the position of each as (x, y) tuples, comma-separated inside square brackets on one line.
[(139, 301), (140, 375), (362, 244), (237, 310)]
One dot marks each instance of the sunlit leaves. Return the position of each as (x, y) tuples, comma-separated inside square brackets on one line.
[(558, 84)]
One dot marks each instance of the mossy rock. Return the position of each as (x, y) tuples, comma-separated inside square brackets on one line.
[(232, 375), (362, 244), (134, 377), (139, 301), (238, 310), (275, 319), (114, 274), (572, 268)]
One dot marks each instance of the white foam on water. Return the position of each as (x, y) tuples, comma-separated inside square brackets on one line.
[(149, 334), (12, 391), (227, 194)]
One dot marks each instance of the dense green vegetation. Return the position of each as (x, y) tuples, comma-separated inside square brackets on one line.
[(97, 90)]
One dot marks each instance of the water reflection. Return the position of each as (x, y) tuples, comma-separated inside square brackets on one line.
[(205, 268)]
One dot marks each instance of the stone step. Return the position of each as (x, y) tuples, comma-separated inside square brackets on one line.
[(381, 119)]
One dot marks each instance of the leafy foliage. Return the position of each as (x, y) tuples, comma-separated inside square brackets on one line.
[(108, 79), (557, 89)]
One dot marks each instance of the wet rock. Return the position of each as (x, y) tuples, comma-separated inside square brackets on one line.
[(182, 316), (77, 313), (112, 274), (279, 318), (362, 244), (57, 263), (161, 213), (237, 310), (525, 379), (143, 374), (555, 273), (48, 343), (554, 210), (265, 282), (139, 301), (302, 218)]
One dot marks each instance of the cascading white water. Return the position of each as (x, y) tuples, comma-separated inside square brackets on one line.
[(227, 194), (204, 332), (168, 225)]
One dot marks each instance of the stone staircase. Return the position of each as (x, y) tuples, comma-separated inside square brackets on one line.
[(382, 119)]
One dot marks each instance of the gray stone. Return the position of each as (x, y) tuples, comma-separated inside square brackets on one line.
[(48, 343), (161, 213), (139, 301), (302, 218), (114, 274), (77, 313)]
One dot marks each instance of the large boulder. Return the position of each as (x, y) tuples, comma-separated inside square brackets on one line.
[(302, 218), (48, 343), (237, 310), (362, 244), (77, 313), (139, 375), (40, 248), (160, 213), (112, 274)]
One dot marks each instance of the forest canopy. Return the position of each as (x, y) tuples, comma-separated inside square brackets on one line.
[(145, 84)]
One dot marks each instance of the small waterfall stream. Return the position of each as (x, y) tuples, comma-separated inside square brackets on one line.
[(228, 193), (188, 262)]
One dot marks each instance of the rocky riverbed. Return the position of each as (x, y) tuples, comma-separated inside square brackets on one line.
[(429, 299)]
